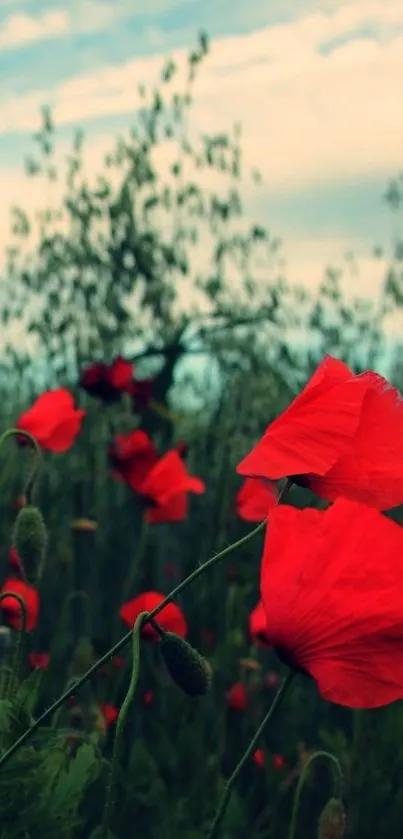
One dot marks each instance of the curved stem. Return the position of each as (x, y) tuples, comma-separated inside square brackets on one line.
[(32, 476), (124, 640), (247, 754), (298, 792), (21, 634), (108, 810)]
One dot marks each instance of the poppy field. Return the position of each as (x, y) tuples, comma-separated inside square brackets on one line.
[(201, 595), (177, 666)]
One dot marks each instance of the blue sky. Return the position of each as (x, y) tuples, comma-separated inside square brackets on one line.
[(316, 85)]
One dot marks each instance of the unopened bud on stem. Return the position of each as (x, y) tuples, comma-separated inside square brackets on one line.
[(187, 668), (30, 541)]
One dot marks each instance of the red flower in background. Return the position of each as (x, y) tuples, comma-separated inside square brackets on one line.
[(109, 713), (53, 420), (237, 697), (38, 660), (278, 761), (166, 488), (132, 456), (12, 608), (148, 697), (258, 626), (141, 391), (254, 499), (107, 381), (171, 617), (332, 590), (258, 757), (342, 436)]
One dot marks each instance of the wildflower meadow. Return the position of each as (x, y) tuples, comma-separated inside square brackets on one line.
[(201, 594)]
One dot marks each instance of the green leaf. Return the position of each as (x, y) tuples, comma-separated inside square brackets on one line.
[(71, 784), (28, 693)]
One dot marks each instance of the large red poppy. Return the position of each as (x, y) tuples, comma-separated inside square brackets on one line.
[(332, 590), (107, 381), (132, 456), (171, 617), (166, 488), (254, 499), (342, 436), (11, 606), (53, 420)]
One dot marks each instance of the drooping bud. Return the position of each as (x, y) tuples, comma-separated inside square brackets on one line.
[(187, 668), (30, 541), (332, 822)]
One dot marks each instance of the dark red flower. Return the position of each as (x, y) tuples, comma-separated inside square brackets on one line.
[(12, 608), (342, 436), (132, 456), (278, 761), (109, 713), (38, 660), (166, 488), (237, 697), (272, 679), (107, 381), (332, 590), (171, 617), (141, 391), (259, 758), (258, 626), (148, 697), (53, 420), (254, 499)]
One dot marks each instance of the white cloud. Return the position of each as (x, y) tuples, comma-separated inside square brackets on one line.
[(308, 117), (21, 29)]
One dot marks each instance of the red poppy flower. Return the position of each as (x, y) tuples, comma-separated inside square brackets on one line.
[(237, 697), (107, 381), (12, 608), (109, 713), (141, 391), (258, 626), (342, 436), (278, 761), (332, 589), (53, 420), (254, 499), (148, 697), (166, 487), (132, 456), (259, 758), (38, 660), (171, 617), (14, 560)]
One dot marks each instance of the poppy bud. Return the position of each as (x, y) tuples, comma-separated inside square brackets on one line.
[(187, 668), (332, 822), (30, 540)]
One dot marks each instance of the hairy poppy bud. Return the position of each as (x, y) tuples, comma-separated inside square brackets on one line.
[(5, 639), (187, 668), (332, 822), (30, 540)]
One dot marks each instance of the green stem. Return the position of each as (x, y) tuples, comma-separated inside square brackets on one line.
[(33, 473), (247, 754), (108, 811), (298, 792), (18, 646), (123, 641)]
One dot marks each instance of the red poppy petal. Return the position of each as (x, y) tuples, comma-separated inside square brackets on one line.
[(373, 472), (332, 590), (120, 373), (64, 435), (254, 499), (316, 429)]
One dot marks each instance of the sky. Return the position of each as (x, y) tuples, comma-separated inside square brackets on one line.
[(316, 84)]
